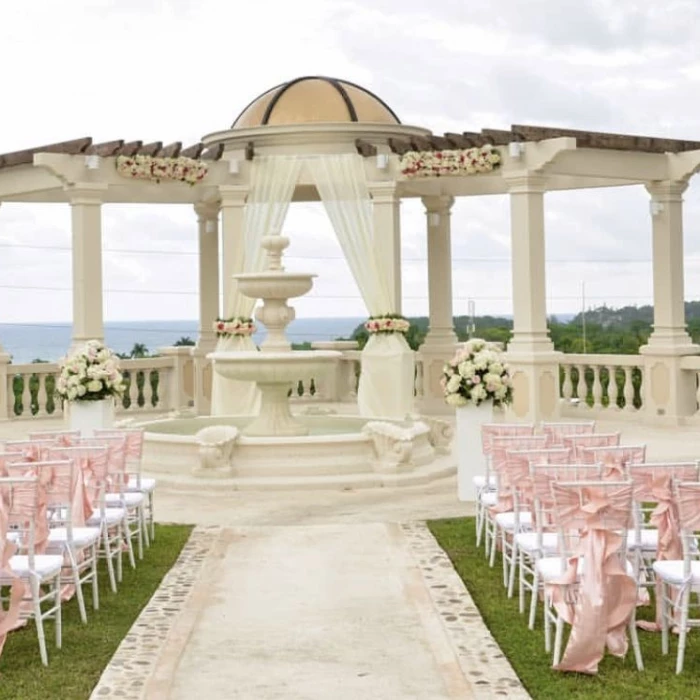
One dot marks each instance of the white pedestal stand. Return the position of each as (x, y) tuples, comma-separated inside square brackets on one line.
[(88, 416), (471, 460)]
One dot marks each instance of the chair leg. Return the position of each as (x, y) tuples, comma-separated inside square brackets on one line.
[(144, 525), (535, 596), (38, 620), (110, 560), (95, 583), (492, 553), (521, 582), (78, 587), (479, 519), (547, 628), (514, 556), (58, 613), (635, 642), (683, 632), (119, 539), (558, 638), (126, 530), (504, 557), (664, 618), (151, 516), (139, 531)]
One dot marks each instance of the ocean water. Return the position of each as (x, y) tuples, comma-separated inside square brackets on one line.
[(47, 341)]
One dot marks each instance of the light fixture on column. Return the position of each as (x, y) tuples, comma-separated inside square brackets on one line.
[(382, 161), (92, 162), (233, 166), (655, 207), (210, 226), (433, 219), (516, 149)]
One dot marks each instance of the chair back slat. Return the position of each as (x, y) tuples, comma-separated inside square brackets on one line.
[(556, 432), (62, 437), (93, 463), (134, 440), (614, 459), (579, 442), (500, 445), (20, 505)]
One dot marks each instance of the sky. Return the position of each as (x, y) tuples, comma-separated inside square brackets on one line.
[(176, 70)]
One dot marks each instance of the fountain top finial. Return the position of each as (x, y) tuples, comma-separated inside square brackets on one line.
[(274, 245)]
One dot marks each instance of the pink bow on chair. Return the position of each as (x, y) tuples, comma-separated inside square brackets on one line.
[(606, 594), (9, 618)]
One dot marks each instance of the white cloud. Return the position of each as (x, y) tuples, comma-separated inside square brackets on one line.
[(177, 69)]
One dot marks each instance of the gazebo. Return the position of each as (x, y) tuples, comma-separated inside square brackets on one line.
[(301, 124)]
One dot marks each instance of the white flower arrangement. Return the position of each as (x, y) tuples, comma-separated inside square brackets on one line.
[(477, 373), (387, 323), (227, 327), (91, 373), (150, 168), (469, 161)]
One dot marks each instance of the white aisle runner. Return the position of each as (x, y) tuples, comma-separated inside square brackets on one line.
[(316, 613)]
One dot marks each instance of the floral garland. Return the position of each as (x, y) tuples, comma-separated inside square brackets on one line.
[(387, 323), (477, 373), (469, 161), (91, 373), (227, 327), (149, 168)]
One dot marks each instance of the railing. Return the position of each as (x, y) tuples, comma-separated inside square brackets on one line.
[(691, 367), (30, 389), (601, 385)]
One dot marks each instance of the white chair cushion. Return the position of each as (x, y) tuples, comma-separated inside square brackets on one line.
[(527, 541), (46, 565), (552, 568), (506, 521), (112, 516), (649, 538), (13, 537), (672, 571), (479, 481), (132, 499), (82, 536), (147, 484), (488, 498)]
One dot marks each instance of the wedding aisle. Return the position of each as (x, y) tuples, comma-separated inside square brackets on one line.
[(312, 612)]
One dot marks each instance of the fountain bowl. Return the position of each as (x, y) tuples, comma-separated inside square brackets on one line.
[(273, 367), (274, 285)]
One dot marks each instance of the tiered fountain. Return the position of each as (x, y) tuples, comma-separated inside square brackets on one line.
[(276, 367), (276, 449)]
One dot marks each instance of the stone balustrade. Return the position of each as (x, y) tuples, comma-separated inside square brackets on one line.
[(602, 386)]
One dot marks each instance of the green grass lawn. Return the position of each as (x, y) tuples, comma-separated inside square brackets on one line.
[(617, 678), (74, 670)]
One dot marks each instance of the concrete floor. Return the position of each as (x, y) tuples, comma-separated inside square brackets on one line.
[(313, 595)]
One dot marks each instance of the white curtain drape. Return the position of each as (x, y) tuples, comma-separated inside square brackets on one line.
[(272, 183), (387, 377)]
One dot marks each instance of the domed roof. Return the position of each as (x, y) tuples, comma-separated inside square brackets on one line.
[(315, 99)]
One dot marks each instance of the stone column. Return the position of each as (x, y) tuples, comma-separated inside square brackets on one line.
[(669, 392), (386, 214), (208, 234), (531, 353), (208, 228), (441, 340), (86, 218)]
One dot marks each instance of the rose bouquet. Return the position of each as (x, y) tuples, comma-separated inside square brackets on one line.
[(90, 373), (181, 169), (477, 373), (227, 327), (387, 323)]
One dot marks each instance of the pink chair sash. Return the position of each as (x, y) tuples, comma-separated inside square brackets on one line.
[(9, 619), (606, 594)]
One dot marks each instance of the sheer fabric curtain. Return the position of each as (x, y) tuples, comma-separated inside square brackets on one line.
[(272, 183), (387, 377)]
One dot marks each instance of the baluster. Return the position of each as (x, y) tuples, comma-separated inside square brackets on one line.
[(418, 386), (597, 388), (134, 390), (613, 392), (629, 390), (353, 376), (26, 396), (567, 387), (42, 396), (581, 388), (147, 390), (11, 395), (697, 392)]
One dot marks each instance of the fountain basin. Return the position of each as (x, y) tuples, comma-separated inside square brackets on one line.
[(273, 367), (274, 285), (336, 453)]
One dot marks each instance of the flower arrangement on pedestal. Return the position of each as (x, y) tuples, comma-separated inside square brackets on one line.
[(228, 327), (468, 161), (90, 373), (180, 169), (387, 323), (477, 373)]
